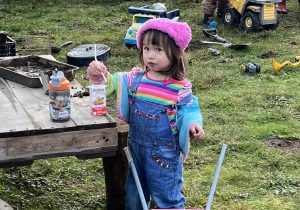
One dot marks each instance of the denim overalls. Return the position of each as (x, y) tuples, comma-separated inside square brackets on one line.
[(156, 155)]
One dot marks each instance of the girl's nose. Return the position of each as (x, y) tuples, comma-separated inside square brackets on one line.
[(151, 54)]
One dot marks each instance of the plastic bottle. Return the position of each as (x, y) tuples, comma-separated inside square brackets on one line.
[(59, 92)]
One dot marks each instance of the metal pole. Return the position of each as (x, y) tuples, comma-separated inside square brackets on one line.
[(216, 177), (136, 178)]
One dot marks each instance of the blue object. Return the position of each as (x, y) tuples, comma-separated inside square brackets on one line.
[(143, 20), (213, 24), (128, 41), (55, 78), (216, 177), (136, 178)]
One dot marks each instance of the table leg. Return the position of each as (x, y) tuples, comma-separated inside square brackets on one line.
[(115, 170)]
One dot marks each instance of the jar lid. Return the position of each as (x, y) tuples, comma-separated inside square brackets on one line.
[(58, 82)]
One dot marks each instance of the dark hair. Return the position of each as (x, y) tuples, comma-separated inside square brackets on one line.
[(178, 63)]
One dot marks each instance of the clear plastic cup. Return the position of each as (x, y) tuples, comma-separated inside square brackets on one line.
[(98, 99)]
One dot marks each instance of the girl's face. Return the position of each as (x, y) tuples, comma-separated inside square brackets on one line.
[(155, 57)]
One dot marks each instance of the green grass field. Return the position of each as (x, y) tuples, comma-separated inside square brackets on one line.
[(247, 112)]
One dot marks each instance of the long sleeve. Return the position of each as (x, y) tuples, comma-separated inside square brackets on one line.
[(119, 88), (186, 116)]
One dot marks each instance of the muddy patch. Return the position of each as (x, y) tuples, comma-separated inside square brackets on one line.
[(268, 54), (196, 45), (291, 145)]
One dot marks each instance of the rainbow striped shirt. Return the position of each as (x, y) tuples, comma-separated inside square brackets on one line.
[(166, 92)]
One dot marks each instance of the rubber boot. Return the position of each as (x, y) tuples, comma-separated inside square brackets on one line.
[(282, 7)]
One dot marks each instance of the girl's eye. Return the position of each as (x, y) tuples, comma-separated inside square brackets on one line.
[(159, 49), (145, 48)]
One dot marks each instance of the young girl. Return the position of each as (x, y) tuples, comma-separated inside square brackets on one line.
[(158, 104)]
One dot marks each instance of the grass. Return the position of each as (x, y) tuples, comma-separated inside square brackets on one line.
[(239, 109)]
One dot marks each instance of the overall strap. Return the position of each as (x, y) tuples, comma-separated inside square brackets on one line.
[(135, 81), (134, 85), (185, 100)]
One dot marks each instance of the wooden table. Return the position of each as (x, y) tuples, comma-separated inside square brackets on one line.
[(27, 133)]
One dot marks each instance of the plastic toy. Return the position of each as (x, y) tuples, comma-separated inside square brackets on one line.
[(277, 66), (252, 14), (251, 68), (142, 14)]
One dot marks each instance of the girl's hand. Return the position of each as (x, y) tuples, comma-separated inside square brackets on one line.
[(197, 131), (95, 71)]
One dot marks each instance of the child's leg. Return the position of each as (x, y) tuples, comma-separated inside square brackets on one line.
[(209, 7), (282, 7), (133, 201), (164, 178)]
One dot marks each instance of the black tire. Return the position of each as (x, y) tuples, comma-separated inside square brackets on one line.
[(230, 17), (250, 22), (271, 27), (130, 46)]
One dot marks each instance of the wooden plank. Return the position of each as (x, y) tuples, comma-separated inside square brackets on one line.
[(81, 114), (35, 102), (36, 107), (12, 116), (59, 144)]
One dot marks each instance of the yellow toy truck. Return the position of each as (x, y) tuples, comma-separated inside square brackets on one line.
[(253, 15)]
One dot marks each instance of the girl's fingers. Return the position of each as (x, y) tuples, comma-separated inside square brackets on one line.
[(197, 132)]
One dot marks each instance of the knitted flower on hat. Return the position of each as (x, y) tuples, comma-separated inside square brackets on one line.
[(180, 32)]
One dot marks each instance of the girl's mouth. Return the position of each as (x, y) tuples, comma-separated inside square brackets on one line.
[(150, 64)]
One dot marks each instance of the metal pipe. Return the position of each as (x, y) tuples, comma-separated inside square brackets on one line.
[(136, 178), (216, 177)]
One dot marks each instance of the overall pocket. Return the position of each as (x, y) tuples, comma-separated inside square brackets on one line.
[(165, 154), (144, 122)]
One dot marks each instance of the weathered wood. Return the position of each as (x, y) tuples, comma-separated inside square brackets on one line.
[(12, 116), (5, 206), (58, 144), (116, 169), (25, 110)]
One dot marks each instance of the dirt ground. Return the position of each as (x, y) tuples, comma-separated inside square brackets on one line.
[(291, 145)]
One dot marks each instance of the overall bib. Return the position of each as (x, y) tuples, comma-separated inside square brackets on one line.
[(156, 155)]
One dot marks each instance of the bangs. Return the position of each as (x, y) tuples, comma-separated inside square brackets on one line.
[(156, 38)]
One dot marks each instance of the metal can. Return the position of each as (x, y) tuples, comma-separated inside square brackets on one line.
[(251, 68)]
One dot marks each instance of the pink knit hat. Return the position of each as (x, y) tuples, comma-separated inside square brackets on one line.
[(181, 33)]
